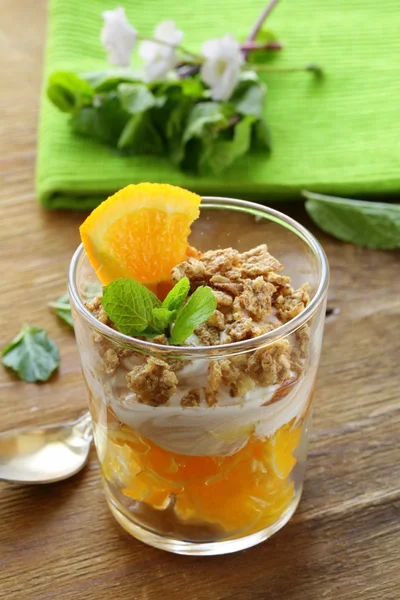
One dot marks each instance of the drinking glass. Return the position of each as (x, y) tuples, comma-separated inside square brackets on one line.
[(206, 479)]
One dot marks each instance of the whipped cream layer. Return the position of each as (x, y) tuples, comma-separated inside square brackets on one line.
[(219, 430)]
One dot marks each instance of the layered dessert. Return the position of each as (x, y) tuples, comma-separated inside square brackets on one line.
[(206, 445)]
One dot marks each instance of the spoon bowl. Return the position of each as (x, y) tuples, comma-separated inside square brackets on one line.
[(37, 455)]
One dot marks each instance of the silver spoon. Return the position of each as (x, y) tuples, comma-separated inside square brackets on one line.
[(45, 454)]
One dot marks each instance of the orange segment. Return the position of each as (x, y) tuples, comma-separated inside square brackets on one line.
[(140, 232), (283, 445), (243, 492)]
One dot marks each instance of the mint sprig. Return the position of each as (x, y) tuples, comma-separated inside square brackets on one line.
[(137, 312), (175, 119), (200, 306)]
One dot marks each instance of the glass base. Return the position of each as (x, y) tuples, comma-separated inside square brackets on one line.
[(201, 548)]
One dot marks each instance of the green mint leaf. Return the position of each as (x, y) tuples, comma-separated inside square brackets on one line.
[(149, 332), (224, 152), (162, 318), (129, 305), (32, 355), (132, 132), (204, 120), (194, 154), (104, 121), (68, 92), (260, 136), (62, 308), (205, 123), (106, 81), (264, 36), (370, 224), (136, 97), (177, 296), (140, 136), (200, 306), (190, 87), (248, 98), (174, 124)]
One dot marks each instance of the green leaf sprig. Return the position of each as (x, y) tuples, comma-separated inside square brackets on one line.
[(370, 224), (181, 113), (137, 312), (32, 355), (62, 309)]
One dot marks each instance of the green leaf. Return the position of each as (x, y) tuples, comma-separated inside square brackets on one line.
[(248, 98), (205, 123), (104, 121), (162, 318), (204, 119), (260, 136), (370, 224), (175, 118), (132, 132), (136, 97), (32, 355), (62, 308), (195, 152), (190, 87), (68, 92), (264, 36), (200, 306), (106, 81), (224, 152), (177, 296), (140, 136), (129, 304)]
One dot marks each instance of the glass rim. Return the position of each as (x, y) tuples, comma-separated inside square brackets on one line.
[(220, 349)]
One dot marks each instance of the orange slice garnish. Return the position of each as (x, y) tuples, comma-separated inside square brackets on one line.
[(140, 232)]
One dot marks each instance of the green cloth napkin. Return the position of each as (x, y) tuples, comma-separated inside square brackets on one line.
[(340, 135)]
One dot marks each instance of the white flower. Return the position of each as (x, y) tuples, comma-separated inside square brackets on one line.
[(118, 37), (221, 68), (160, 58)]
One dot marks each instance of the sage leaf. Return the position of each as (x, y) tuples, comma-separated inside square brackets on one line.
[(370, 224), (32, 355)]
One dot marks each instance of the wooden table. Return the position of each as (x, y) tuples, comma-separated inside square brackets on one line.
[(61, 541)]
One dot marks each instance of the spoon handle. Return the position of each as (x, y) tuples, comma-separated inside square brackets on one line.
[(84, 426)]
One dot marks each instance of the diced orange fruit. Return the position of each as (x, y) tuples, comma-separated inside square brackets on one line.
[(283, 444), (140, 232), (244, 492)]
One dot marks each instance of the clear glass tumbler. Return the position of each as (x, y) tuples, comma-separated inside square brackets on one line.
[(215, 479)]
